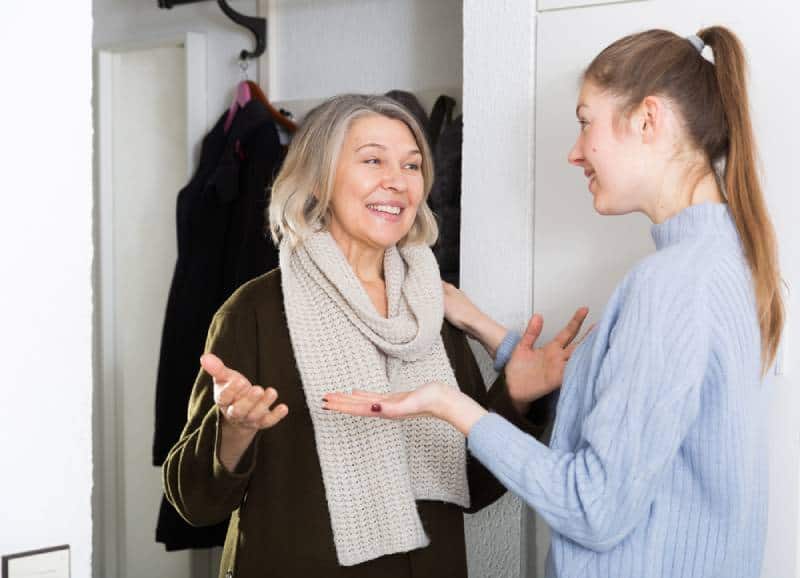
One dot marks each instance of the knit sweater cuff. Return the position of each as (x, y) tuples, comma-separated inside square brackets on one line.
[(505, 349), (503, 448), (499, 401)]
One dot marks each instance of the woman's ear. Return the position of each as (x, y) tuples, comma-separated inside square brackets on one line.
[(650, 118)]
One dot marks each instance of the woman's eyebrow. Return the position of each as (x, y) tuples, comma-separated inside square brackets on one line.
[(383, 147), (371, 144)]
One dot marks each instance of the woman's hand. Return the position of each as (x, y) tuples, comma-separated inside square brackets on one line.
[(533, 372), (242, 404), (461, 312), (431, 400), (245, 409)]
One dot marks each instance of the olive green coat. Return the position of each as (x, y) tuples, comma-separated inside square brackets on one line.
[(280, 526)]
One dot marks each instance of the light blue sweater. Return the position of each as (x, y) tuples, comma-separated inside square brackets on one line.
[(657, 465)]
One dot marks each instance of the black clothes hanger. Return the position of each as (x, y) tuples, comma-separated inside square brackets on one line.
[(258, 26)]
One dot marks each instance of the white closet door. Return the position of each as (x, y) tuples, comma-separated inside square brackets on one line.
[(151, 117), (149, 167)]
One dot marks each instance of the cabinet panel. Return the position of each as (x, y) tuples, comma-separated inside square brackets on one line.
[(544, 5)]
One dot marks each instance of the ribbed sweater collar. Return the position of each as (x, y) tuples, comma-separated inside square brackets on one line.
[(706, 218)]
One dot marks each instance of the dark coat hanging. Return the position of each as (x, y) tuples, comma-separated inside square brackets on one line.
[(444, 134), (221, 245)]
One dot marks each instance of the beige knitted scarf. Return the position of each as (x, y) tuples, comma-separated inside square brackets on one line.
[(374, 470)]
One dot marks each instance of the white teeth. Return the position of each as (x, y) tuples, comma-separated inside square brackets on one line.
[(385, 209)]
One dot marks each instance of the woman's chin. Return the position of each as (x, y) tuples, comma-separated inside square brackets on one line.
[(603, 205), (389, 234), (386, 239), (600, 205)]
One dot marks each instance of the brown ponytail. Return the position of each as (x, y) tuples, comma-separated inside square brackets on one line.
[(714, 103)]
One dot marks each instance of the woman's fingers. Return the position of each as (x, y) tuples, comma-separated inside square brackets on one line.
[(229, 384), (532, 332), (239, 409), (343, 403), (362, 403), (273, 416), (216, 368), (392, 405), (227, 393), (574, 345), (254, 410), (571, 330), (261, 412)]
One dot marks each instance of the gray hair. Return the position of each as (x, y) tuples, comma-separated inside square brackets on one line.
[(301, 193)]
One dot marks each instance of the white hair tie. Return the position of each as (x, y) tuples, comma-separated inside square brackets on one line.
[(701, 47)]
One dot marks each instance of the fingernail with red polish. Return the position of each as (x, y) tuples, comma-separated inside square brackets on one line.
[(376, 407)]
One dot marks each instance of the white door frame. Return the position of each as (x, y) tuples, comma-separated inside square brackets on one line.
[(109, 559)]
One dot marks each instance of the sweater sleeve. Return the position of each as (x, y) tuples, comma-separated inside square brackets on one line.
[(646, 398), (483, 486), (505, 349), (202, 490)]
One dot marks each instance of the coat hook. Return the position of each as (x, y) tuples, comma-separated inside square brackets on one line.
[(258, 26)]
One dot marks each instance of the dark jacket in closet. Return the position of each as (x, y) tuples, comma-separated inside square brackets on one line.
[(221, 245), (280, 525), (444, 135), (445, 196)]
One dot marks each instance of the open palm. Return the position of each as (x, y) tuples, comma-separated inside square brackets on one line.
[(533, 372), (423, 401)]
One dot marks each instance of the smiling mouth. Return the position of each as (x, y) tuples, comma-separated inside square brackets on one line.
[(388, 209)]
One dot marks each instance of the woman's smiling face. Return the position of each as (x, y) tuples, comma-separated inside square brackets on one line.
[(378, 184), (608, 150)]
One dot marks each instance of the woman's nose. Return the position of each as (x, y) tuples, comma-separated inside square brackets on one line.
[(393, 179), (575, 156)]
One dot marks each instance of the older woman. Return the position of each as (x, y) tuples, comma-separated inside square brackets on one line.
[(356, 303)]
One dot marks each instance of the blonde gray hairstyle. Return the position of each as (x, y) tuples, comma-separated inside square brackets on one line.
[(301, 193)]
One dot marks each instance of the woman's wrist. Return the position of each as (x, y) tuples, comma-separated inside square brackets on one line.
[(234, 441), (487, 331), (459, 410)]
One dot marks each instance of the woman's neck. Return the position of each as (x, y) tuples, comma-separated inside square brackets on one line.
[(689, 192), (365, 260)]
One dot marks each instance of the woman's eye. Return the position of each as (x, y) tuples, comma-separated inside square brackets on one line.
[(583, 124), (412, 166), (373, 161)]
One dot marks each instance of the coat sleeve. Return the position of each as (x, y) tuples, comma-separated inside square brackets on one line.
[(202, 490), (483, 486), (646, 399)]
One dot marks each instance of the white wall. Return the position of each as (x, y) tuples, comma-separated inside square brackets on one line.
[(325, 47), (497, 215), (319, 48), (46, 259)]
